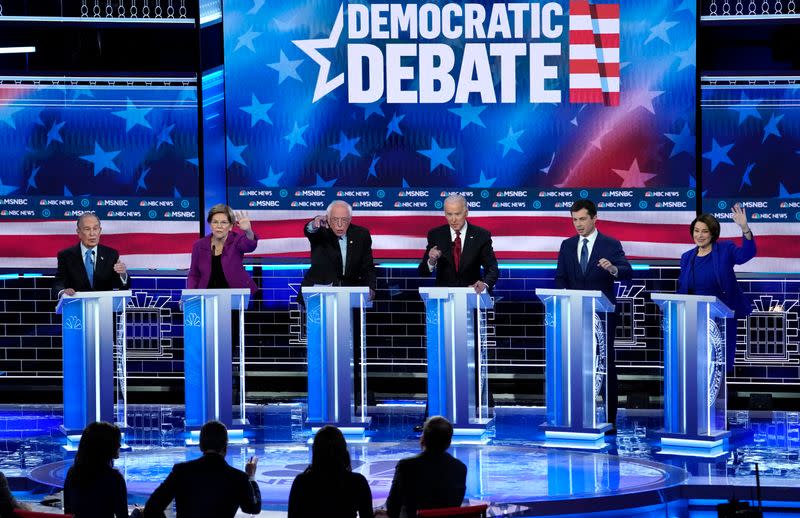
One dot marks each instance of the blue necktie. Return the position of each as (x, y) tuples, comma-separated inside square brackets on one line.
[(87, 262), (585, 255)]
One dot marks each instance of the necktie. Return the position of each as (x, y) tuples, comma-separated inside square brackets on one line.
[(457, 249), (343, 249), (585, 255), (87, 262)]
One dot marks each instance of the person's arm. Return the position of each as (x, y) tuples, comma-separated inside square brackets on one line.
[(491, 272), (161, 497), (250, 498), (368, 265), (7, 501), (60, 278), (193, 277), (425, 269), (312, 229), (364, 498), (683, 277), (394, 502), (121, 494), (618, 259), (121, 279), (562, 281), (748, 249), (296, 498), (245, 244)]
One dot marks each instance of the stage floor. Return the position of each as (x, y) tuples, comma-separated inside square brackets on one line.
[(513, 472)]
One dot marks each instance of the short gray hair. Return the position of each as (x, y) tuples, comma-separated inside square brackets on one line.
[(86, 215), (457, 198), (339, 202)]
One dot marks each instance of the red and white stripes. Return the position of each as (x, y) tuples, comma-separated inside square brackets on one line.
[(594, 53)]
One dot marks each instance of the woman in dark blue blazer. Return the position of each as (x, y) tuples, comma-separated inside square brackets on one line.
[(707, 269)]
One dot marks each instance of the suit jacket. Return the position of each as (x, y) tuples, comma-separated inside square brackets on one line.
[(426, 481), (326, 258), (236, 245), (342, 496), (570, 276), (477, 251), (725, 254), (105, 495), (71, 272), (207, 486)]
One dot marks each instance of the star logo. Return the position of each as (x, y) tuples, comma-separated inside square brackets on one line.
[(102, 159), (310, 47), (633, 177)]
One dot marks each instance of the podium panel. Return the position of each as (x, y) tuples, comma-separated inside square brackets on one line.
[(87, 323)]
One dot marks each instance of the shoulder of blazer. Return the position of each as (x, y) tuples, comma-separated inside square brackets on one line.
[(106, 250), (357, 231), (608, 240), (478, 231)]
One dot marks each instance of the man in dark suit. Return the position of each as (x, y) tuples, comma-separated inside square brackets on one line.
[(208, 486), (458, 250), (430, 480), (89, 266), (341, 253), (594, 261)]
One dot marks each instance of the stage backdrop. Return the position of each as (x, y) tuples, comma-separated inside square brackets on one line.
[(522, 107)]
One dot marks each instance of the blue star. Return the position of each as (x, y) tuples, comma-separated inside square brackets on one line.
[(684, 141), (234, 153), (82, 92), (394, 125), (272, 178), (405, 184), (312, 47), (687, 5), (67, 192), (772, 127), (6, 189), (140, 184), (176, 193), (511, 141), (437, 155), (32, 179), (286, 68), (37, 119), (372, 108), (782, 194), (6, 113), (296, 136), (746, 111), (483, 182), (133, 116), (546, 170), (321, 182), (246, 40), (718, 154), (469, 115), (102, 159), (660, 31), (257, 111), (688, 57), (194, 161), (346, 146), (257, 5), (746, 176), (164, 136), (372, 171), (54, 133)]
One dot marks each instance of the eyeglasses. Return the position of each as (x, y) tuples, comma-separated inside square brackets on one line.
[(220, 223), (339, 221)]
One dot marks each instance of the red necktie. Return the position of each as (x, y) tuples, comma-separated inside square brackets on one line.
[(457, 249)]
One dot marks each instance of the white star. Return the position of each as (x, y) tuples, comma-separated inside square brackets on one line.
[(323, 86)]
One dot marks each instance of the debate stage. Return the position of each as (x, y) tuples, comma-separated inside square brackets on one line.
[(513, 472)]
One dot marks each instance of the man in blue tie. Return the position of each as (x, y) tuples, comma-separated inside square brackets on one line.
[(594, 261), (89, 266)]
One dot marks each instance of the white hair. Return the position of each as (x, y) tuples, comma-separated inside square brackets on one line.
[(339, 202), (453, 198)]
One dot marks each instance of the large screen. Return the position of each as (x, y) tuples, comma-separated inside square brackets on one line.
[(124, 148), (522, 107)]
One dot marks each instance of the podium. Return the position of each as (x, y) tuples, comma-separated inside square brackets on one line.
[(575, 358), (207, 358), (457, 381), (87, 323), (694, 374), (329, 324)]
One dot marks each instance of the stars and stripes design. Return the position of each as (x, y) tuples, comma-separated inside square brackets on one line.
[(594, 63)]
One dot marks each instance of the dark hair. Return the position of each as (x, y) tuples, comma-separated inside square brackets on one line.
[(437, 434), (710, 221), (329, 453), (584, 204), (99, 446), (213, 436)]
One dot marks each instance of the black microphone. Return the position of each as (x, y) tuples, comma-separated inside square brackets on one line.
[(213, 250)]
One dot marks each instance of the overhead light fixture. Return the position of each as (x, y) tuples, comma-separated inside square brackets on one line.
[(17, 50)]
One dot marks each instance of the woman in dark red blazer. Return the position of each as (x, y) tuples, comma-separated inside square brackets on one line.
[(217, 257)]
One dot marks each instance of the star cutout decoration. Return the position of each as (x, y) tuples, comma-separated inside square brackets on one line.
[(469, 115), (194, 161), (684, 141), (234, 153), (633, 177), (394, 125), (6, 189), (546, 170), (296, 136), (257, 110), (718, 154), (746, 111), (438, 155), (32, 179), (133, 116), (688, 57), (405, 184), (483, 182), (346, 146), (321, 182), (140, 184), (511, 141), (772, 127), (176, 193), (53, 134), (257, 5), (6, 113), (371, 109), (643, 99), (102, 159), (372, 171), (164, 136), (660, 31), (784, 193), (746, 176), (687, 5), (286, 68), (246, 40), (324, 86), (271, 179)]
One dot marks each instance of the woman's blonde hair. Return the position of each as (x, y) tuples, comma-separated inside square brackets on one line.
[(221, 208)]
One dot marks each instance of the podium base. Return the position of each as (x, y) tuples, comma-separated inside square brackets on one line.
[(576, 438), (354, 432), (236, 433), (686, 445), (477, 431)]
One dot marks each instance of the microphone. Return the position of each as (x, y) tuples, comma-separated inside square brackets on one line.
[(213, 250)]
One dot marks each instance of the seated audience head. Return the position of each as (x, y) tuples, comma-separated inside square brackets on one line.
[(329, 454), (214, 438), (436, 434), (704, 230), (99, 446)]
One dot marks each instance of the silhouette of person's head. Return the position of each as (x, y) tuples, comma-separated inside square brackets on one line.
[(436, 434)]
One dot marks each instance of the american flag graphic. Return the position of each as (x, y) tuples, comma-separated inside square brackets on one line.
[(594, 53)]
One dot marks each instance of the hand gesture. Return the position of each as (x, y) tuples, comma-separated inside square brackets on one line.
[(320, 221), (433, 255), (739, 217), (371, 294), (250, 467), (606, 265), (120, 267), (69, 291), (243, 220), (479, 286)]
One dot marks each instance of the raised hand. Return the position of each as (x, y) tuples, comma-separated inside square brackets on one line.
[(606, 265), (433, 255), (740, 217), (243, 220), (320, 221), (120, 267)]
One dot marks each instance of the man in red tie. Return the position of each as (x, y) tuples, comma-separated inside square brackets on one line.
[(457, 251)]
